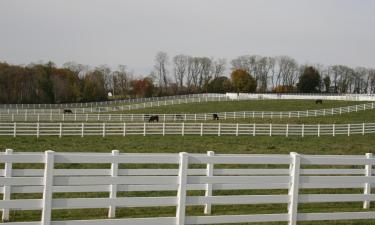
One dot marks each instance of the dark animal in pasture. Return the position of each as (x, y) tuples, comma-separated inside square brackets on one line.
[(179, 117), (319, 101), (69, 111), (154, 119), (215, 116)]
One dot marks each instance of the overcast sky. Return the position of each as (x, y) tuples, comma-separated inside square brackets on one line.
[(131, 32)]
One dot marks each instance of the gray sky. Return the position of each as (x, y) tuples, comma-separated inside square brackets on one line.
[(130, 32)]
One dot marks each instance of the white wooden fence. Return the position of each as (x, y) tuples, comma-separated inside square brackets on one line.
[(183, 116), (293, 179), (311, 96), (234, 96), (202, 129), (106, 103), (115, 108)]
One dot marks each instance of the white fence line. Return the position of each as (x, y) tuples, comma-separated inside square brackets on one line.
[(183, 116), (183, 129), (53, 180), (347, 97), (118, 107), (105, 103), (291, 96)]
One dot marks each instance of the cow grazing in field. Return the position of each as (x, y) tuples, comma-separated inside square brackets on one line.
[(319, 101), (179, 117), (215, 116), (68, 111), (154, 119)]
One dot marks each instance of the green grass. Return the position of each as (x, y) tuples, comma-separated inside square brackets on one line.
[(267, 105), (253, 105)]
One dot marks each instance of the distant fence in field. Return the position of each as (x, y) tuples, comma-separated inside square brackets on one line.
[(202, 129), (183, 116), (115, 108), (232, 96), (324, 173), (301, 96), (105, 103)]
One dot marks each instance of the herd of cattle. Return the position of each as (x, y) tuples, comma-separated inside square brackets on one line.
[(155, 118)]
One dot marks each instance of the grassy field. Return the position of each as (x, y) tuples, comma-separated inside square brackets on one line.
[(267, 105), (356, 144), (253, 105)]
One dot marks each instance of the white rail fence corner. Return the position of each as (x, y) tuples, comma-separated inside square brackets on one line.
[(182, 129), (54, 180)]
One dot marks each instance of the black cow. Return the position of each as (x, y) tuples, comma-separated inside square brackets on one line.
[(154, 119), (179, 117), (215, 116), (69, 111), (319, 101)]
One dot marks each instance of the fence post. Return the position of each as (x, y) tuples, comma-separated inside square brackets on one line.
[(14, 129), (37, 130), (287, 130), (318, 129), (294, 188), (103, 129), (113, 187), (82, 129), (163, 129), (7, 188), (270, 129), (182, 186), (368, 173), (333, 129), (201, 129), (209, 173), (48, 187), (124, 130), (237, 129), (60, 132), (144, 129), (219, 130), (303, 130), (254, 129), (348, 129), (363, 128)]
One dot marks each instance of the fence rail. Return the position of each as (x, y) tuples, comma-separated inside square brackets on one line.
[(183, 117), (202, 129), (347, 97), (118, 107), (105, 103), (292, 177)]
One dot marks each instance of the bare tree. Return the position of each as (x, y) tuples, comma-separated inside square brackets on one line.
[(122, 80), (160, 69), (218, 67), (287, 71), (180, 64)]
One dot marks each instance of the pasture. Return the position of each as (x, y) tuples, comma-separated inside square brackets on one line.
[(325, 145)]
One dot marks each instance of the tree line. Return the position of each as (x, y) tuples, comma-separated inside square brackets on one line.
[(181, 74)]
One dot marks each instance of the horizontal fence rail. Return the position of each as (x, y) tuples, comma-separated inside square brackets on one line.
[(184, 117), (116, 108), (291, 96), (347, 97), (105, 103), (292, 177), (202, 129)]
